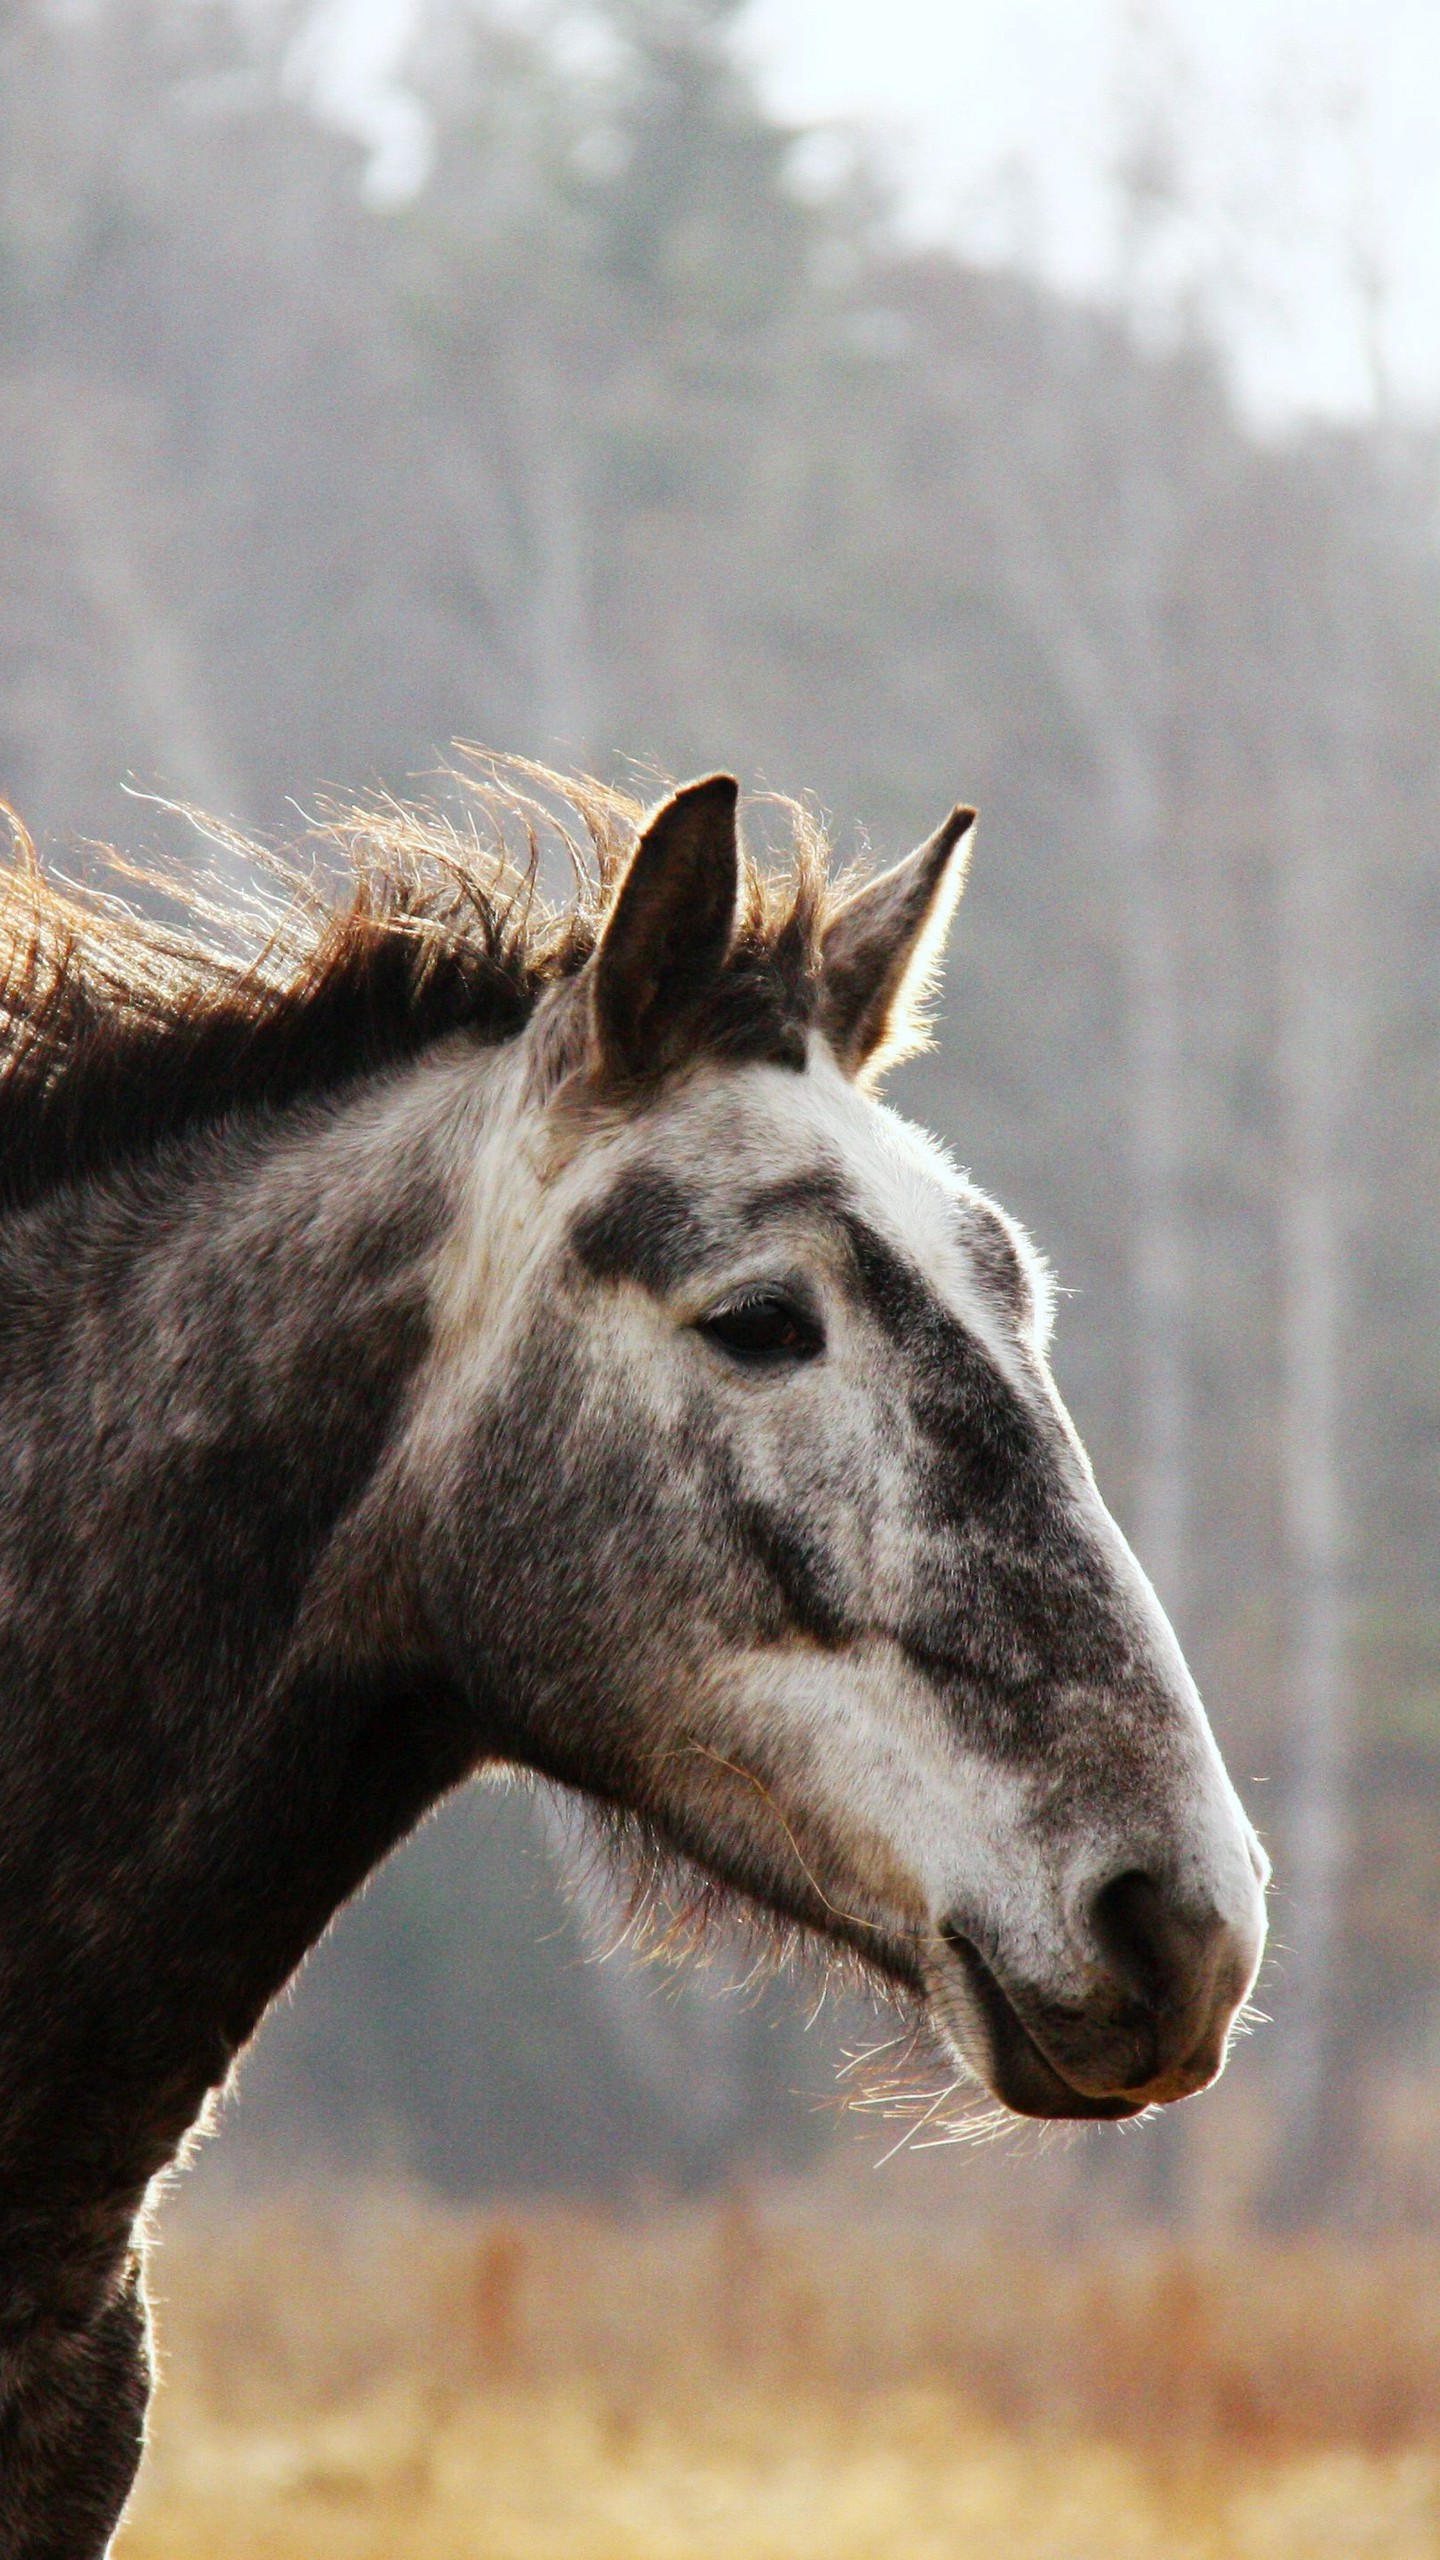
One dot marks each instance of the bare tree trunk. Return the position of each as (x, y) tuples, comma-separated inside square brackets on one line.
[(99, 507), (1147, 197), (563, 690), (1314, 1015), (1158, 1277), (1108, 655)]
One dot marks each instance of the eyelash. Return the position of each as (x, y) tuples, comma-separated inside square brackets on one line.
[(764, 1329)]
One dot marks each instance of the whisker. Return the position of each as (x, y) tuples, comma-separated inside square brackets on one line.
[(918, 2127), (868, 2053)]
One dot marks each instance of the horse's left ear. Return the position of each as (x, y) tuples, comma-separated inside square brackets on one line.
[(882, 948), (666, 937)]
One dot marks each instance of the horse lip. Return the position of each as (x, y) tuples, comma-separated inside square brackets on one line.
[(1020, 2074)]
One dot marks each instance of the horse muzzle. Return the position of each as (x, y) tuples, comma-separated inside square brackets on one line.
[(1147, 2023)]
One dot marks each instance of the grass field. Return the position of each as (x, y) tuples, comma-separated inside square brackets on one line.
[(767, 2383)]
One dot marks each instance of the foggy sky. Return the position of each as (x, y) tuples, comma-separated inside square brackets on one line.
[(1304, 135)]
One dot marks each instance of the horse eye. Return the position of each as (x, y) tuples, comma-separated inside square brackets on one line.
[(766, 1330)]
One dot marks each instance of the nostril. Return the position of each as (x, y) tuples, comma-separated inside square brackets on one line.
[(1144, 1942)]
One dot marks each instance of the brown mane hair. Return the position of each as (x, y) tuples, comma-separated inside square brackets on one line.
[(145, 1006)]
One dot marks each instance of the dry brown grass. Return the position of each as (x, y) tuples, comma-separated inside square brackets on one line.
[(776, 2383)]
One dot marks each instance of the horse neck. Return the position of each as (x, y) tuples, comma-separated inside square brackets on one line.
[(204, 1372), (200, 1358)]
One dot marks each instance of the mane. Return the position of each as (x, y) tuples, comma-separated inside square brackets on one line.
[(146, 1003)]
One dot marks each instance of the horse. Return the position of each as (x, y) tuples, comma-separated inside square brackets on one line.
[(468, 1332)]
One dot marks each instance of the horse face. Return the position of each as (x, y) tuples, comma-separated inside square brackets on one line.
[(810, 1570)]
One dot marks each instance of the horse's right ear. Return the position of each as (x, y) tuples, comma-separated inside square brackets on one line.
[(666, 937)]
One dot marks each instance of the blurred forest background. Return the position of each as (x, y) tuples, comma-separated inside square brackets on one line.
[(627, 436)]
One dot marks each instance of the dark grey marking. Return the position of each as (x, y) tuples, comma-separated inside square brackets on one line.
[(957, 1393), (802, 1569), (650, 1228), (646, 1229), (1019, 1608), (822, 1194)]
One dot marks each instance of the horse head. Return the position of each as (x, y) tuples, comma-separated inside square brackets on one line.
[(740, 1401)]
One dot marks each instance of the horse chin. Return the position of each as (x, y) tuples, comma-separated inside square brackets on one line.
[(981, 2025)]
